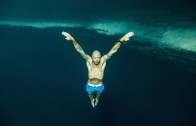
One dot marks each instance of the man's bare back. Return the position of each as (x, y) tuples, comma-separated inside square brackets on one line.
[(96, 65)]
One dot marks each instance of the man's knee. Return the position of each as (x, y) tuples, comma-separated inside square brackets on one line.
[(90, 94), (98, 94)]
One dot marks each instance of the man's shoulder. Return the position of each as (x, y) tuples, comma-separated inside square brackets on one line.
[(104, 57), (89, 60)]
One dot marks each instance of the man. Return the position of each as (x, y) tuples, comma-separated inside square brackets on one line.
[(96, 65)]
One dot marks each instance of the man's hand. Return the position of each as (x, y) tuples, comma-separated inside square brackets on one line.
[(126, 37), (68, 36)]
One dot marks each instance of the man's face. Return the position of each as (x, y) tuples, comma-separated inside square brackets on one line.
[(96, 56)]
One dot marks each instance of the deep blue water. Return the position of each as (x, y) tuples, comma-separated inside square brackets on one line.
[(43, 83), (150, 81)]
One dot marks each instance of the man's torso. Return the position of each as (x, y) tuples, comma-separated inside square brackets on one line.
[(95, 72)]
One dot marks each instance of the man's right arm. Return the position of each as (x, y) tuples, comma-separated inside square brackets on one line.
[(117, 45), (76, 45)]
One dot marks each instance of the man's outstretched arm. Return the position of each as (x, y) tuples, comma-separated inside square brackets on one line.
[(76, 45), (118, 44)]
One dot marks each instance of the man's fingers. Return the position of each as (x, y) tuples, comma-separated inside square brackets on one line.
[(129, 34), (65, 33)]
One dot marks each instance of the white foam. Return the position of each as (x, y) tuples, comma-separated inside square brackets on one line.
[(42, 24), (163, 34), (173, 37), (180, 38), (110, 27)]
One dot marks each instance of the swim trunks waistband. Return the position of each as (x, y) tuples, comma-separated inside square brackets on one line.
[(97, 85), (94, 88)]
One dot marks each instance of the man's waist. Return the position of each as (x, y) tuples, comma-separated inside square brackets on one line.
[(97, 85), (94, 81)]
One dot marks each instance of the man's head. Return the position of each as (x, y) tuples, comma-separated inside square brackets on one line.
[(96, 56)]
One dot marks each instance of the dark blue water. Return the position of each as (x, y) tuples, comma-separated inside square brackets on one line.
[(43, 77), (42, 82)]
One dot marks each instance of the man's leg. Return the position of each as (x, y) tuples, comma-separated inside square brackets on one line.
[(90, 94), (98, 90), (90, 91), (97, 98)]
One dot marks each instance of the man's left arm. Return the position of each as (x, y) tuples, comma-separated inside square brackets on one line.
[(117, 45)]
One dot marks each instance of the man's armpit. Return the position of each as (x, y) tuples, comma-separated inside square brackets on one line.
[(88, 57), (85, 56), (89, 61), (105, 57)]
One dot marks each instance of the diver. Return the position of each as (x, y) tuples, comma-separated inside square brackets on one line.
[(96, 65)]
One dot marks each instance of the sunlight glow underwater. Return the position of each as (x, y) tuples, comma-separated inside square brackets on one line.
[(175, 38)]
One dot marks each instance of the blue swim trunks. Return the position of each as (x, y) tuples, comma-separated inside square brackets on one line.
[(94, 88)]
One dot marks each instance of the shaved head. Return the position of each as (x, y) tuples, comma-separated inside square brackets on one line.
[(96, 52), (96, 56)]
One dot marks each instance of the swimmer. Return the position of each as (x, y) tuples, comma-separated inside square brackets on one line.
[(96, 65)]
